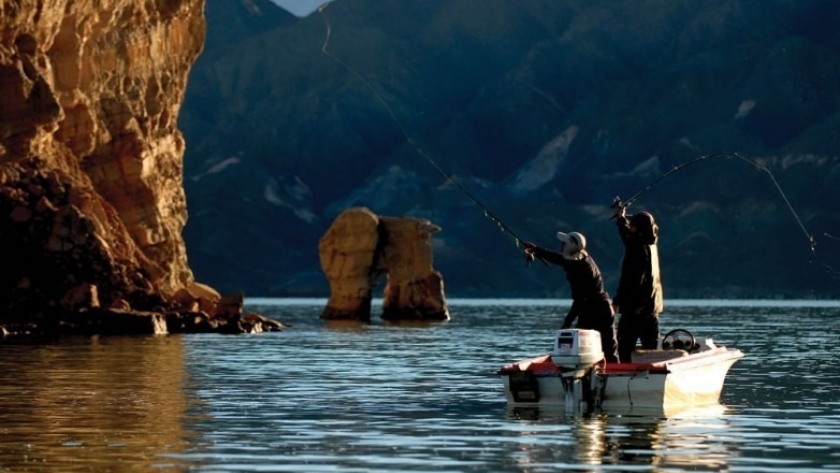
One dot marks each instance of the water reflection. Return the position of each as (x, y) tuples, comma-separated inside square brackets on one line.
[(91, 404), (324, 397), (347, 325), (678, 438)]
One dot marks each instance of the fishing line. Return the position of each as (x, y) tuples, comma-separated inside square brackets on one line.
[(812, 243), (831, 237), (408, 138), (489, 214)]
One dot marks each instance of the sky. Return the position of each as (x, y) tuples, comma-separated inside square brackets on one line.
[(301, 7)]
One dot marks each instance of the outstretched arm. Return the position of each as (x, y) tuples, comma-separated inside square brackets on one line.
[(543, 254)]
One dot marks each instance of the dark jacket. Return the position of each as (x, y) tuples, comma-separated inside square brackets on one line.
[(639, 288), (589, 298), (583, 275), (590, 301)]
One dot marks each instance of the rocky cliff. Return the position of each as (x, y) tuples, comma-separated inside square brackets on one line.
[(92, 202)]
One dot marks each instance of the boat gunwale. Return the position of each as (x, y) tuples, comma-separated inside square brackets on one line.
[(543, 365)]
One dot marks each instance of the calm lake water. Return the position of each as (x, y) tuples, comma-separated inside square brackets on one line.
[(330, 397)]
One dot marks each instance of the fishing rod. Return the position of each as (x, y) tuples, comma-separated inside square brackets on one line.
[(408, 138), (812, 243), (617, 203)]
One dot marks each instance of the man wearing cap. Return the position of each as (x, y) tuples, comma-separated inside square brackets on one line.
[(639, 295), (590, 301)]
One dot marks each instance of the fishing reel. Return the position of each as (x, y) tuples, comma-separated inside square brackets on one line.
[(529, 257), (619, 206), (529, 253)]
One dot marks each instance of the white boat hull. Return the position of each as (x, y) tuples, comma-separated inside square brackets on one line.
[(692, 380), (693, 384)]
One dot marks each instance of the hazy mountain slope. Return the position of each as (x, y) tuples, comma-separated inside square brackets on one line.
[(543, 110)]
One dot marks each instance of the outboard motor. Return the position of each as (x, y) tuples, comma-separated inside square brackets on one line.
[(577, 352)]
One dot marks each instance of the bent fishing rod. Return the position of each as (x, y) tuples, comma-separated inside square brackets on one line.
[(408, 138), (812, 243), (618, 203)]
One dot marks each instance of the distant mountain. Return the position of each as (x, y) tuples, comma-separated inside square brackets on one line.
[(543, 111)]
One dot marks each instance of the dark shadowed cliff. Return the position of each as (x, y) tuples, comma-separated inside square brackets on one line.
[(92, 203), (544, 110)]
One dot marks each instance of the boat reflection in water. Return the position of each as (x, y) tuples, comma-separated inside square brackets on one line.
[(651, 438)]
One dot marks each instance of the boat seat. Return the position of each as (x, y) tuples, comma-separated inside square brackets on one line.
[(655, 356)]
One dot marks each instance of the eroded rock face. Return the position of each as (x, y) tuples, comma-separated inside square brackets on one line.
[(62, 247), (360, 247), (92, 202)]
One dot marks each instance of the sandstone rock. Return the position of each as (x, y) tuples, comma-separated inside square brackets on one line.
[(263, 323), (348, 253), (414, 290), (91, 190), (120, 304), (359, 247), (197, 298), (20, 214), (230, 306), (57, 250), (118, 322), (95, 87), (207, 297), (201, 322), (83, 296)]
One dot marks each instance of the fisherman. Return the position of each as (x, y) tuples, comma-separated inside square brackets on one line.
[(590, 301), (638, 298)]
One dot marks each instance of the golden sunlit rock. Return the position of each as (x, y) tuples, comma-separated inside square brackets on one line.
[(360, 246), (92, 203)]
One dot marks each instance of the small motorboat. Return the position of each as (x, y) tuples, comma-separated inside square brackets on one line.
[(685, 372)]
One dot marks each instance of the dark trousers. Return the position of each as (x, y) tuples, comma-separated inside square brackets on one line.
[(597, 315), (634, 327)]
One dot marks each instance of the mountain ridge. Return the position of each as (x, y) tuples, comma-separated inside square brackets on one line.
[(543, 111)]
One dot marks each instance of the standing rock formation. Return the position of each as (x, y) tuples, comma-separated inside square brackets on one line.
[(360, 246), (92, 202), (414, 289)]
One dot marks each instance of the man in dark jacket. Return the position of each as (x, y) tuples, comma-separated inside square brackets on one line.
[(590, 301), (639, 295)]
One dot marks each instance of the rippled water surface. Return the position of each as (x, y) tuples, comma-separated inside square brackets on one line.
[(329, 397)]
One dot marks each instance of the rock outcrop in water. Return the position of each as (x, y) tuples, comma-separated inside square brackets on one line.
[(92, 201), (360, 247)]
